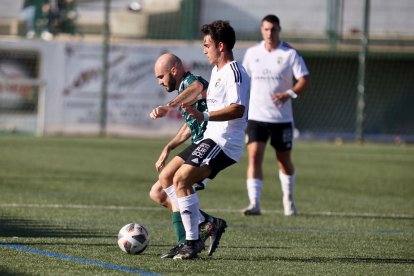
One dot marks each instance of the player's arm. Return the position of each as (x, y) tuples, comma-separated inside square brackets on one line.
[(182, 135), (231, 112), (298, 89), (160, 111), (190, 95)]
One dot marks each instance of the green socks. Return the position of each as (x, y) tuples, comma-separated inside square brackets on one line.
[(178, 227)]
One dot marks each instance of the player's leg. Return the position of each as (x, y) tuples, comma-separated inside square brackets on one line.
[(257, 136), (207, 224), (189, 208), (158, 195), (211, 228), (287, 181), (187, 199), (254, 182), (168, 197), (197, 186), (205, 161), (281, 140)]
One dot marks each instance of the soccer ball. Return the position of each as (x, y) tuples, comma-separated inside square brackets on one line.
[(133, 238)]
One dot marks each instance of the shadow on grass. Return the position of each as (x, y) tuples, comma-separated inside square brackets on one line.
[(246, 247), (5, 272), (70, 243), (16, 227), (358, 216), (350, 260)]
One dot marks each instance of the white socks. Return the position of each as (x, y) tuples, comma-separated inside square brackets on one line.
[(287, 183), (254, 191), (188, 203), (189, 209), (170, 191)]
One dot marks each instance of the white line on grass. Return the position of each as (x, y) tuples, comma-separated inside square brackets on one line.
[(74, 259), (155, 209)]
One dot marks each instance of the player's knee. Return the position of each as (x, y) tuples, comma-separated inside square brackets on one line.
[(165, 179), (153, 195), (157, 195), (180, 182)]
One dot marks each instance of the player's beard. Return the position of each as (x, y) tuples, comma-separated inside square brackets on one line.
[(171, 85)]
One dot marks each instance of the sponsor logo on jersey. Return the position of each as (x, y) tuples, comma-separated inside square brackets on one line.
[(201, 150)]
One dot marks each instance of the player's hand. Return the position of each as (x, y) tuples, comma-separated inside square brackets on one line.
[(193, 112), (159, 112), (159, 165), (279, 99)]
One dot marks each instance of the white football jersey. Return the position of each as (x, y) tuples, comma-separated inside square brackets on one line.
[(272, 72), (231, 84)]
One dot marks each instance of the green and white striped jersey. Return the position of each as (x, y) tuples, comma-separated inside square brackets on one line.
[(197, 128)]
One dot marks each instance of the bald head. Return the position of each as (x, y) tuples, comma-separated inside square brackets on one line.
[(169, 71), (166, 62)]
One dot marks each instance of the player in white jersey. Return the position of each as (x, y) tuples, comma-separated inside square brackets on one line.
[(223, 142), (192, 89), (278, 75), (222, 93)]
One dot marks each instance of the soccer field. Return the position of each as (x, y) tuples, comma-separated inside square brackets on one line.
[(63, 201)]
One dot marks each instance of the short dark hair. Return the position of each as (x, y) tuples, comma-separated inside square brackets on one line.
[(272, 19), (220, 31)]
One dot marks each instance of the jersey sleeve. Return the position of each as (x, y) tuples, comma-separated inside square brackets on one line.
[(203, 82), (233, 93), (236, 82), (246, 61), (299, 67)]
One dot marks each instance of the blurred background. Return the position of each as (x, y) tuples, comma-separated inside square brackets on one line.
[(85, 67)]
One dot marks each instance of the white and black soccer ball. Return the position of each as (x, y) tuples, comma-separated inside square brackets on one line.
[(133, 238)]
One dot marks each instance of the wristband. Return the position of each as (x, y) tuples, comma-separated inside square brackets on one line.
[(206, 116), (292, 94)]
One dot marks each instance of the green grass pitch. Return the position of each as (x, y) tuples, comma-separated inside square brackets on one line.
[(70, 196)]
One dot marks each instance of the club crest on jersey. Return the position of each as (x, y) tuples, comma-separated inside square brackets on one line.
[(218, 82), (279, 60)]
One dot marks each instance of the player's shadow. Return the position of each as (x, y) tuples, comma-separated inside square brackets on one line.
[(358, 216), (6, 272), (350, 260), (70, 243), (17, 227), (169, 246)]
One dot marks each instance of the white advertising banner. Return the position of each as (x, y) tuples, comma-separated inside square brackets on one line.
[(71, 71), (133, 91)]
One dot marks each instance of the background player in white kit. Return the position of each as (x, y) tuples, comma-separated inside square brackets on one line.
[(223, 142), (278, 74)]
